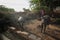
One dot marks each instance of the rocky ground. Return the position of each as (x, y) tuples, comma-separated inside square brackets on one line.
[(33, 32), (52, 32)]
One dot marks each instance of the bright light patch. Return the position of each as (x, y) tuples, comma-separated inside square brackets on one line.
[(18, 5)]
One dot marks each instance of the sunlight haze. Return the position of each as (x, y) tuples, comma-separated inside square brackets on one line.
[(18, 5)]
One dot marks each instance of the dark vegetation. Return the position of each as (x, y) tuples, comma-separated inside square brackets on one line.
[(4, 23), (5, 20)]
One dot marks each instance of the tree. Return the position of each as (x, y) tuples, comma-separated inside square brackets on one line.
[(48, 5), (5, 9), (37, 5)]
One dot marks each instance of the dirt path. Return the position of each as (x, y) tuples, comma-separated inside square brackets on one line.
[(51, 31)]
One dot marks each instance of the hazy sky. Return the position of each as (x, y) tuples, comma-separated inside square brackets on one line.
[(18, 5)]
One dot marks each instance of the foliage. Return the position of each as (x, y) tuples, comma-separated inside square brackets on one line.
[(5, 9), (41, 4), (35, 4), (5, 18), (4, 22)]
